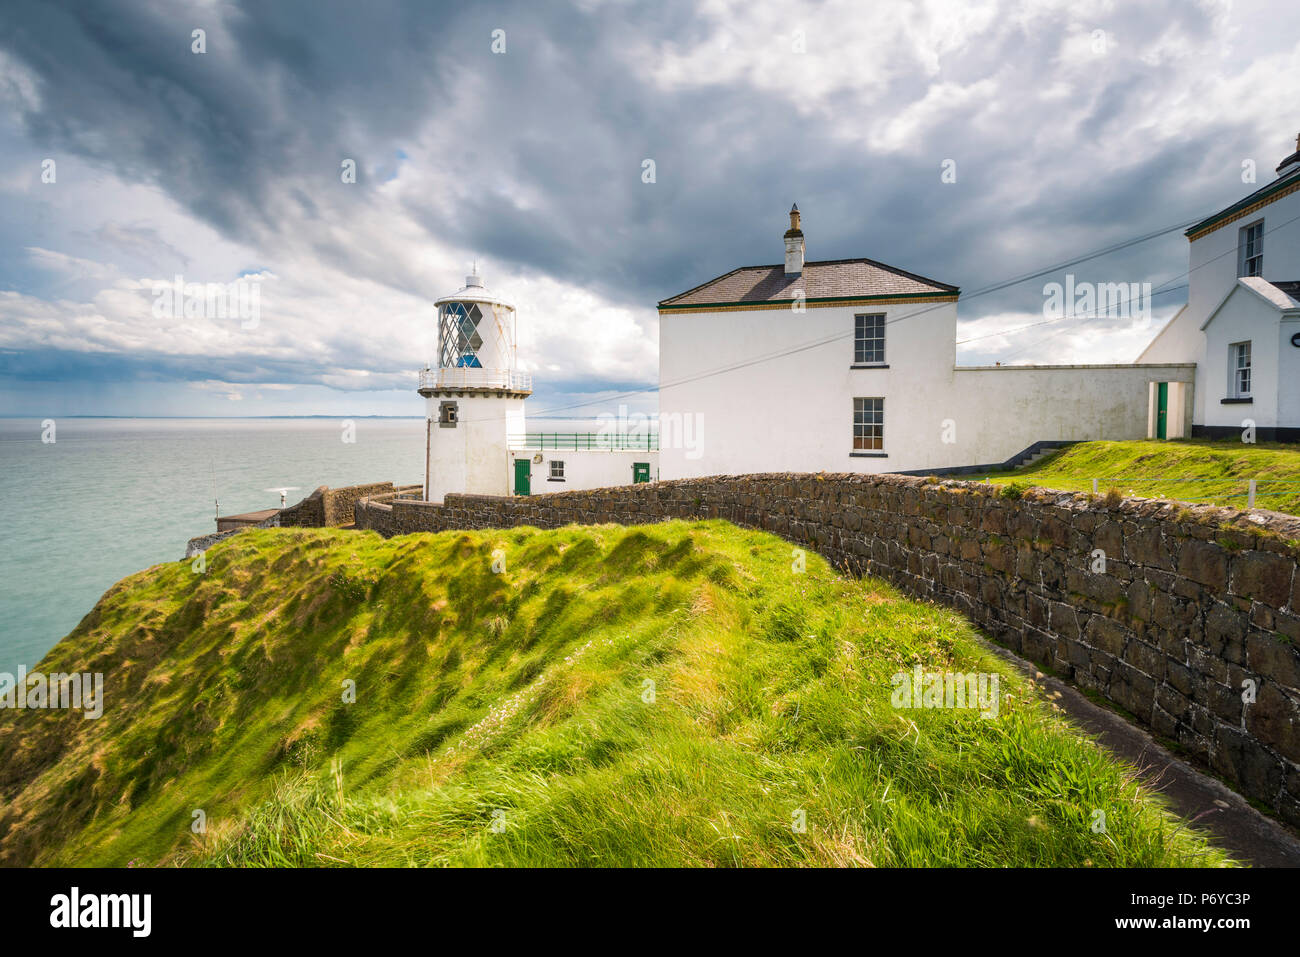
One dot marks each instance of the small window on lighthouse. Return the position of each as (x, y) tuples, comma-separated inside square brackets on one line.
[(557, 470), (447, 415)]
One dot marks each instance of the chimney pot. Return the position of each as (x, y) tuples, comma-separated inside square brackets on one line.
[(794, 244)]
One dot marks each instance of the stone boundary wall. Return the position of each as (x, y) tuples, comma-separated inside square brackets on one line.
[(202, 543), (330, 507), (1194, 600), (323, 508)]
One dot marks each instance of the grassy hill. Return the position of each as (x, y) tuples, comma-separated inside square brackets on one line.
[(1191, 470), (665, 695)]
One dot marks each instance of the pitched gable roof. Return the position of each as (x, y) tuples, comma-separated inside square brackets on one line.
[(828, 282), (1280, 295)]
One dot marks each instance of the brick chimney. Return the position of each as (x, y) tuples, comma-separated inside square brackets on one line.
[(794, 244)]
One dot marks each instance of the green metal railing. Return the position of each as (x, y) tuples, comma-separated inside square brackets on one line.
[(596, 441)]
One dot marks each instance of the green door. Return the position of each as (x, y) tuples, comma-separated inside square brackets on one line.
[(1162, 409), (640, 472), (523, 472)]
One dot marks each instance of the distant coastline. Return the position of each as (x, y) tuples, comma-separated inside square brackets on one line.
[(46, 415)]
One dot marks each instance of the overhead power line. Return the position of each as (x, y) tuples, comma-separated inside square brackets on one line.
[(966, 297)]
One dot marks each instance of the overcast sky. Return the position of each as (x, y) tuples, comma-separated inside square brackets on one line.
[(227, 164)]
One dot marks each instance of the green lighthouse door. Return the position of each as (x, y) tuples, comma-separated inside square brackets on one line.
[(523, 472)]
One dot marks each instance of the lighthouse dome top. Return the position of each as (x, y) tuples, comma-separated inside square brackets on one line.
[(475, 291)]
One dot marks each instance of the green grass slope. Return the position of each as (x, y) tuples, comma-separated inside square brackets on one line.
[(665, 695), (1192, 470)]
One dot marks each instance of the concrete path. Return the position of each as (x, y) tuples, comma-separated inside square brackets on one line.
[(1222, 813)]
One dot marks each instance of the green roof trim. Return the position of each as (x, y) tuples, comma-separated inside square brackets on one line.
[(1260, 195)]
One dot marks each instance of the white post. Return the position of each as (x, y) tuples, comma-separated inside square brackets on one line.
[(1250, 495), (428, 452), (1094, 486)]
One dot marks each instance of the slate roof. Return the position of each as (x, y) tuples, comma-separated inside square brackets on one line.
[(1291, 287), (825, 280)]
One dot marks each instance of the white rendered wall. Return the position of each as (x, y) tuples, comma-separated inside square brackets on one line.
[(1180, 340), (1212, 274), (1212, 259), (1181, 397), (1178, 410), (1245, 316), (1008, 408), (584, 469), (795, 413), (1288, 374), (474, 456)]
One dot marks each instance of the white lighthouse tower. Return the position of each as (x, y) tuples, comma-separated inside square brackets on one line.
[(475, 398)]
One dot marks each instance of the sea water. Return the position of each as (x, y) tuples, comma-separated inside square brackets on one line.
[(109, 497)]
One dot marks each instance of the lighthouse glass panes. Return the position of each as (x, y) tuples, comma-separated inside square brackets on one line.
[(476, 334), (460, 338), (868, 424), (869, 339)]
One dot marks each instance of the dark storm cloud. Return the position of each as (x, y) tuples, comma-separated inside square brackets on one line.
[(49, 365), (543, 171), (290, 91)]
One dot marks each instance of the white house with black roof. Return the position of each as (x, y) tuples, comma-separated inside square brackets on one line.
[(1241, 324), (850, 365)]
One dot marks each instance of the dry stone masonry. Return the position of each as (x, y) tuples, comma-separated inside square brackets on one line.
[(324, 508), (1197, 610), (329, 508)]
